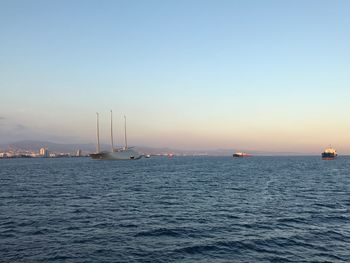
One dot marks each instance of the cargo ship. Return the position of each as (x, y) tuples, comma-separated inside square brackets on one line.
[(240, 155), (329, 154)]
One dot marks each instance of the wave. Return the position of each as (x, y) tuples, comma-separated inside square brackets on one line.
[(174, 232)]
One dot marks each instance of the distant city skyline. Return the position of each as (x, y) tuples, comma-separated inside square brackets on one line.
[(254, 75)]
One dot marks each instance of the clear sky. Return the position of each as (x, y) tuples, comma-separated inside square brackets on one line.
[(262, 75)]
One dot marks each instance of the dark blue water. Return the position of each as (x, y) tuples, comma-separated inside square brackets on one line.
[(204, 209)]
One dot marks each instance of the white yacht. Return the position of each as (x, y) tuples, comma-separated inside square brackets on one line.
[(125, 153)]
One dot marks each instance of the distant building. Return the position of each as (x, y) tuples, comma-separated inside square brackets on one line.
[(44, 152), (79, 153)]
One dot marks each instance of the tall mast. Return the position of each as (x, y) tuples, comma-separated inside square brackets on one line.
[(126, 140), (112, 131), (98, 133)]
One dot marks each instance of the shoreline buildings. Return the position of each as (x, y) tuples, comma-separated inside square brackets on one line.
[(44, 152)]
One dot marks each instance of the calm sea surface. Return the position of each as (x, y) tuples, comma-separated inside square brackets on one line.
[(184, 209)]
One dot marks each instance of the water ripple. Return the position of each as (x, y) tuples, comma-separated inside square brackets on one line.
[(202, 209)]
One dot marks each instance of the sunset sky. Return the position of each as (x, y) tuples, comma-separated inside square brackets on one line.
[(255, 75)]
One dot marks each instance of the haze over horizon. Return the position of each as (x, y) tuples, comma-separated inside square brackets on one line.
[(258, 75)]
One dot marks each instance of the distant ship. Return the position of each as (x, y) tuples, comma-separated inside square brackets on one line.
[(240, 155), (125, 153), (329, 154)]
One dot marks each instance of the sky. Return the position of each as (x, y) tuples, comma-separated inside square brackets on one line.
[(252, 75)]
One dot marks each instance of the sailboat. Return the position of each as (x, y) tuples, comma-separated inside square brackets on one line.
[(124, 153)]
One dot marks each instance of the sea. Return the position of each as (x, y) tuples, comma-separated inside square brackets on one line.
[(181, 209)]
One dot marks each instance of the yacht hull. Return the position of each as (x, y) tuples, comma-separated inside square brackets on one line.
[(118, 155)]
